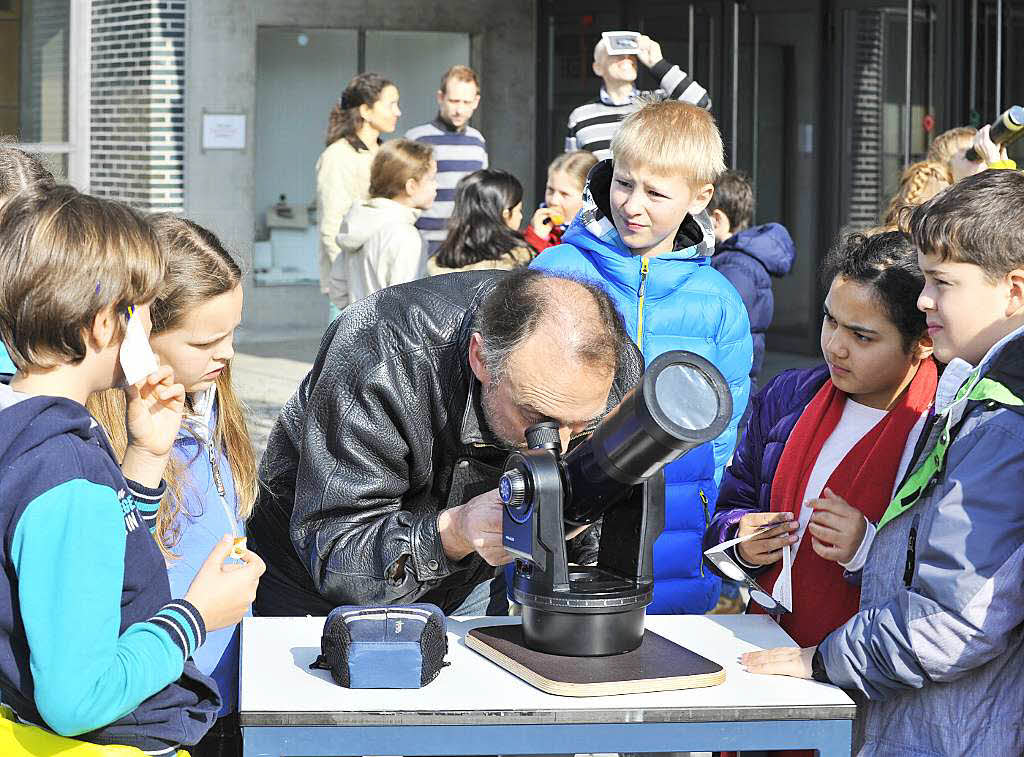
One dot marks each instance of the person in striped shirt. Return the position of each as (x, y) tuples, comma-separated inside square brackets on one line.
[(592, 125), (459, 148)]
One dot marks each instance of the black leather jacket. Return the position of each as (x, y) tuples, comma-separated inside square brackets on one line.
[(384, 432)]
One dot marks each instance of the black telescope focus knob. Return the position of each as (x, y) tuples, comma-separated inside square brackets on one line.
[(543, 435)]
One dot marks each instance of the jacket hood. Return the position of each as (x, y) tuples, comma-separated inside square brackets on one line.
[(367, 218), (29, 421), (695, 238), (769, 244)]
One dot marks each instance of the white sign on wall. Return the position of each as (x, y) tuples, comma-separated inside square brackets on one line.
[(223, 131)]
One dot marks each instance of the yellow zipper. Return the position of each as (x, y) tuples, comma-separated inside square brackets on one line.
[(707, 524), (640, 304)]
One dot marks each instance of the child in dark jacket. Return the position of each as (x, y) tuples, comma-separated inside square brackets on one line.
[(92, 643), (749, 257)]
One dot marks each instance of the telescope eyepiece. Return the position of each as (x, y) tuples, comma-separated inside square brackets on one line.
[(544, 435)]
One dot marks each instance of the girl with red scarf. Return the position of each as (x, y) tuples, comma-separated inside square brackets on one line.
[(825, 448)]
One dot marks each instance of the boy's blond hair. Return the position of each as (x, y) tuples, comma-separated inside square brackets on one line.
[(672, 138), (64, 258)]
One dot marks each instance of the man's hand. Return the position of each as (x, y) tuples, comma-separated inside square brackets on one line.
[(781, 661), (650, 52), (474, 527), (836, 527), (766, 548)]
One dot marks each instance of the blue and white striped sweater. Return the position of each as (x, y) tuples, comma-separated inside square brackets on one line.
[(457, 153)]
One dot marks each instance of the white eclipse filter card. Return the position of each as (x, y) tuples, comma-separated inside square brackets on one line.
[(621, 43), (137, 357)]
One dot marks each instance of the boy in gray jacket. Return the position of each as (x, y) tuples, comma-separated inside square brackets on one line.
[(935, 654)]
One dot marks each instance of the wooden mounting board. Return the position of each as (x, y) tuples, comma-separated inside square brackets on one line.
[(656, 665)]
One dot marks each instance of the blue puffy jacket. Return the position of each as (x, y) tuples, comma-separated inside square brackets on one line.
[(670, 302), (749, 259)]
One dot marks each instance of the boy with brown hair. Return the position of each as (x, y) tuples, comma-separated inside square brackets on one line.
[(936, 647), (643, 235), (91, 643), (749, 257)]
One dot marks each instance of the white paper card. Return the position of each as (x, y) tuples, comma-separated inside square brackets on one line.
[(621, 43), (137, 358), (223, 131), (783, 590), (739, 540)]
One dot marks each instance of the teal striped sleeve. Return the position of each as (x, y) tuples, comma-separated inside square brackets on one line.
[(147, 500), (68, 550)]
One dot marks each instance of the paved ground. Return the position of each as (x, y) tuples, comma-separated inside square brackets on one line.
[(267, 372)]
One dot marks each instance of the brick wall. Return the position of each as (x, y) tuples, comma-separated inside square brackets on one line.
[(137, 117), (866, 148)]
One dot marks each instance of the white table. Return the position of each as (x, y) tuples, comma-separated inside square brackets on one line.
[(476, 707)]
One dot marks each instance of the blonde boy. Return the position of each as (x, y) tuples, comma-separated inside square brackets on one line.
[(91, 642), (643, 235)]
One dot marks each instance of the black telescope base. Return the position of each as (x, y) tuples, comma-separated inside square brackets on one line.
[(575, 634), (600, 614)]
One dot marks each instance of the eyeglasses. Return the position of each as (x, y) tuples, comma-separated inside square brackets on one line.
[(730, 568)]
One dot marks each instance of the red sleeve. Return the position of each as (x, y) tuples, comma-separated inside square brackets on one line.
[(538, 243)]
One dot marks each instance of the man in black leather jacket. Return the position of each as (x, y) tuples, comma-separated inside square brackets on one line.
[(379, 479)]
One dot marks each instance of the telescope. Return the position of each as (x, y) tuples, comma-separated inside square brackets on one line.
[(681, 402), (1006, 130)]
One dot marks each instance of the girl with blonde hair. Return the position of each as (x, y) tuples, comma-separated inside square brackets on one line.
[(563, 198), (919, 183), (211, 477)]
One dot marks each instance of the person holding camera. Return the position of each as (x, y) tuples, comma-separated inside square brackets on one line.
[(593, 124)]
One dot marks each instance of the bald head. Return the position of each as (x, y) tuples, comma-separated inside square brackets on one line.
[(577, 318), (545, 348)]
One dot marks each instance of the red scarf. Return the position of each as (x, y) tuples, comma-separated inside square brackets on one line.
[(822, 598)]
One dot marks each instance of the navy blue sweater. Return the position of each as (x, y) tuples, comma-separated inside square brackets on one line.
[(91, 643), (750, 259)]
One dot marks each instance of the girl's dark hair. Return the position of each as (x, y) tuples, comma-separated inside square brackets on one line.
[(344, 120), (888, 263), (477, 229)]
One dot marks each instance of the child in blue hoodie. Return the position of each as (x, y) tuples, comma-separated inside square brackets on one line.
[(749, 257), (211, 482), (643, 235), (92, 644)]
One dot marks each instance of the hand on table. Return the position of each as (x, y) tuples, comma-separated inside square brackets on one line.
[(782, 661)]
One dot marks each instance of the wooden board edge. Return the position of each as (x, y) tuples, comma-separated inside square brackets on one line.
[(562, 689)]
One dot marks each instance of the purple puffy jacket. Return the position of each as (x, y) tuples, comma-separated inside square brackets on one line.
[(747, 482)]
